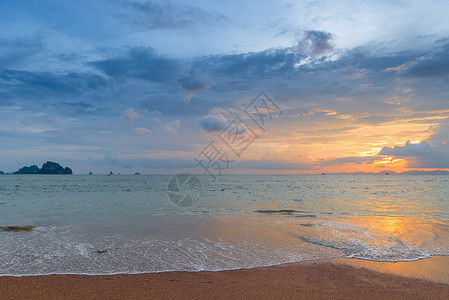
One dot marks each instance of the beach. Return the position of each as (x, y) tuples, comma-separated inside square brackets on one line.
[(321, 279), (249, 236)]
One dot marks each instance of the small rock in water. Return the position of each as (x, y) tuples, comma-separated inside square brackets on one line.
[(17, 228)]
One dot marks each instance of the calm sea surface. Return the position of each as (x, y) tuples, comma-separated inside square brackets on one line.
[(127, 224)]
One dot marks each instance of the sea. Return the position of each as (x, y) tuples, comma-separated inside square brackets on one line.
[(127, 224)]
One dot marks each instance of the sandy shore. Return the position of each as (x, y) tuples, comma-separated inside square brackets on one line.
[(325, 279)]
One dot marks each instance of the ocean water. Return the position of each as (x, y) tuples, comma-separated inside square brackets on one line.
[(129, 224)]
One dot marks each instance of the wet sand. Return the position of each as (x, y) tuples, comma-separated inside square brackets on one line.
[(325, 279)]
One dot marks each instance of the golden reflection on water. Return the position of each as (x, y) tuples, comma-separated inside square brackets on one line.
[(379, 218), (395, 216), (434, 268), (392, 225)]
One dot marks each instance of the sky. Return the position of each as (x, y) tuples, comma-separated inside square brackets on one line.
[(159, 86)]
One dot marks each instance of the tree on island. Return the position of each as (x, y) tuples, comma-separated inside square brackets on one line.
[(47, 168)]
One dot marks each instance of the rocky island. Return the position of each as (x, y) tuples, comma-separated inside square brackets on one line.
[(47, 168)]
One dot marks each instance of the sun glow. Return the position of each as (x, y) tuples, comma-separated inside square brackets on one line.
[(389, 161), (371, 152)]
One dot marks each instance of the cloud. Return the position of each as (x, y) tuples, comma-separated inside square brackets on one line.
[(352, 159), (316, 43), (72, 93), (146, 163), (170, 103), (270, 165), (143, 78), (425, 154), (46, 82), (213, 123), (4, 101), (173, 127), (153, 15), (142, 130), (433, 65), (141, 63), (169, 129), (72, 108), (129, 115), (17, 49), (408, 149), (254, 64), (191, 84), (247, 71)]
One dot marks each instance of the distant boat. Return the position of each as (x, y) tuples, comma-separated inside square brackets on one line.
[(323, 173), (110, 173), (90, 173), (387, 173), (136, 173)]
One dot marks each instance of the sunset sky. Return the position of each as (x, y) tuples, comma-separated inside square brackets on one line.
[(146, 86)]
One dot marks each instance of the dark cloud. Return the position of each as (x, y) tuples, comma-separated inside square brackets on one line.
[(316, 43), (408, 149), (247, 71), (153, 15), (213, 123), (170, 103), (16, 49), (73, 108), (358, 76), (192, 83), (365, 59), (70, 83), (433, 65), (140, 63), (41, 90), (5, 99), (257, 64), (354, 159), (425, 154), (79, 105), (283, 70)]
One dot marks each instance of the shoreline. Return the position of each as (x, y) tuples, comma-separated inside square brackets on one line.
[(336, 277)]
